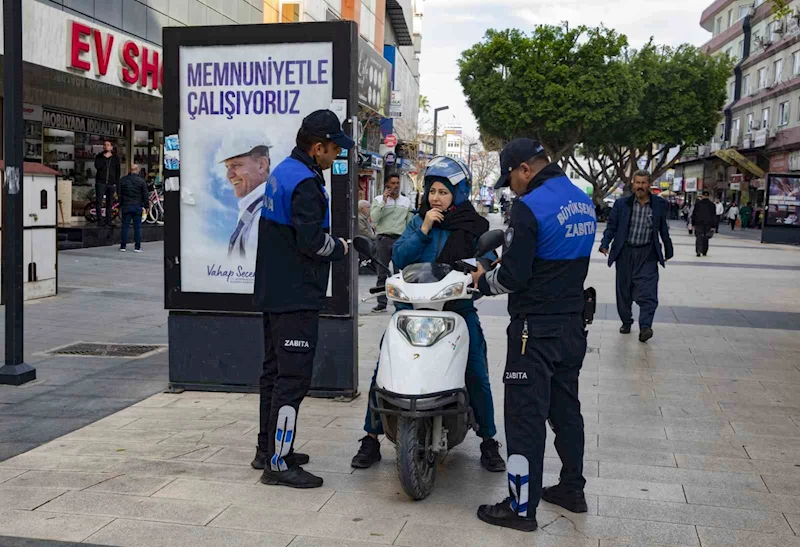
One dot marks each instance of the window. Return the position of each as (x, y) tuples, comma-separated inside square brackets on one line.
[(746, 85), (749, 121), (783, 114), (778, 71), (43, 199), (729, 52), (762, 78), (756, 36), (743, 11), (735, 127), (741, 49), (796, 63), (722, 131), (765, 118), (730, 17), (731, 91), (719, 25), (290, 12)]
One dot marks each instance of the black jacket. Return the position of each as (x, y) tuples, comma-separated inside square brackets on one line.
[(108, 170), (705, 213), (293, 262), (547, 248), (133, 192)]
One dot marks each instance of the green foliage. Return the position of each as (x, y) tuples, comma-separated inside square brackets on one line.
[(781, 8), (554, 85)]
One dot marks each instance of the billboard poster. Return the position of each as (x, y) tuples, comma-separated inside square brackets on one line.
[(240, 109), (783, 200)]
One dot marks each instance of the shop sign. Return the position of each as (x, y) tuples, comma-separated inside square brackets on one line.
[(760, 138), (390, 158), (677, 184), (374, 75), (92, 49), (691, 185), (779, 163), (31, 112), (82, 124), (735, 186), (762, 184), (396, 106), (794, 161)]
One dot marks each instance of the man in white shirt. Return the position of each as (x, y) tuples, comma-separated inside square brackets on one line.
[(720, 211), (246, 159)]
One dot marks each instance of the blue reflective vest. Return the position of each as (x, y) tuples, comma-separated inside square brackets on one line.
[(280, 188)]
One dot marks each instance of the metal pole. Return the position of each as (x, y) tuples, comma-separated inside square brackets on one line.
[(469, 156), (436, 126), (14, 372)]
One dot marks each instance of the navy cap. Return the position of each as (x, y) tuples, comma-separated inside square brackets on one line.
[(325, 125), (515, 153)]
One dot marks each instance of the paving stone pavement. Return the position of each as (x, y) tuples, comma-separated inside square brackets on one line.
[(692, 439)]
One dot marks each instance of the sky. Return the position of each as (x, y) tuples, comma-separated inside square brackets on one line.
[(452, 26)]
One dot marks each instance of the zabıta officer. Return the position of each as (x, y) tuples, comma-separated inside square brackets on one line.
[(295, 250)]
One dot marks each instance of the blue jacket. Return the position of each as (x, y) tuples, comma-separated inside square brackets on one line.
[(619, 224), (415, 247), (547, 248)]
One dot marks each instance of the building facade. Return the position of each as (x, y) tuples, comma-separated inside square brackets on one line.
[(760, 126)]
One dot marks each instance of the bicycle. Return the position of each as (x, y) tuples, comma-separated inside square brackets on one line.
[(155, 212), (90, 211)]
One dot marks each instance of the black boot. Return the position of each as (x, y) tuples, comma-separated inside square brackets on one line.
[(625, 329), (645, 335), (260, 461), (503, 515), (294, 477), (571, 500), (369, 453), (491, 460)]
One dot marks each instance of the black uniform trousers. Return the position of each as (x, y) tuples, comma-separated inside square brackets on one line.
[(541, 384), (383, 248), (702, 233), (637, 281), (290, 341)]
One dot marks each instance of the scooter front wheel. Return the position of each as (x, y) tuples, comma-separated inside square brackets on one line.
[(416, 461)]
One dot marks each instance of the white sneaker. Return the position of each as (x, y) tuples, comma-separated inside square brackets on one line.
[(123, 250), (137, 251)]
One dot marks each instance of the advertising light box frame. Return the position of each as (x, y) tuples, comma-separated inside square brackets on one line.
[(343, 37)]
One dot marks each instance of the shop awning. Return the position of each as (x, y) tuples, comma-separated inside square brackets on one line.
[(732, 157), (398, 20)]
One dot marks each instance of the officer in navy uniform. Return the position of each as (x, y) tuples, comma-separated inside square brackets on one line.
[(544, 264), (295, 250)]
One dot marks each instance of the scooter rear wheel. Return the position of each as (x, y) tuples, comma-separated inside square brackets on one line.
[(416, 462)]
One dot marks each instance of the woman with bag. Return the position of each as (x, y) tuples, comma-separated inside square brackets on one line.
[(733, 215)]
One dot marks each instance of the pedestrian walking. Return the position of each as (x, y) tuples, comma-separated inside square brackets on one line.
[(390, 212), (746, 213), (365, 227), (295, 250), (720, 212), (544, 265), (632, 234), (733, 214), (106, 181), (704, 219), (133, 201)]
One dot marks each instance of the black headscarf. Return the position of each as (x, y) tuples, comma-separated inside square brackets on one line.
[(464, 224)]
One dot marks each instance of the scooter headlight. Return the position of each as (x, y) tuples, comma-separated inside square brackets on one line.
[(395, 293), (424, 331), (453, 291)]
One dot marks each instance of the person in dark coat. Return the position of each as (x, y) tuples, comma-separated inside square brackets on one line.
[(635, 224), (704, 219), (133, 201), (106, 180)]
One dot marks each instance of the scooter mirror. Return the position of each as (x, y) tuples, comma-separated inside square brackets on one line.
[(364, 246), (490, 241)]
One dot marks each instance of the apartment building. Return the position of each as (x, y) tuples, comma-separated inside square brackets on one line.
[(760, 128)]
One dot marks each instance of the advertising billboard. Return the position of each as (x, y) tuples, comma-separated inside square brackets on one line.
[(783, 200)]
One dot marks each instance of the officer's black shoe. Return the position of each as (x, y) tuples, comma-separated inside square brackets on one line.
[(502, 514), (379, 309), (491, 460), (625, 329), (571, 500), (369, 453), (294, 477), (698, 255), (260, 461), (645, 335)]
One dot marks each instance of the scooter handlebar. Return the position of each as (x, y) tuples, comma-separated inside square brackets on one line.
[(377, 290)]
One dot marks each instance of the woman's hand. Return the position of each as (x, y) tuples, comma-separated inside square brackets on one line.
[(431, 217)]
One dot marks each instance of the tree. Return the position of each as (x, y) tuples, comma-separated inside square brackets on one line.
[(424, 104), (683, 94), (781, 9), (553, 85), (484, 166)]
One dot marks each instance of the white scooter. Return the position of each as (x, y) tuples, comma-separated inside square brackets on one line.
[(420, 390)]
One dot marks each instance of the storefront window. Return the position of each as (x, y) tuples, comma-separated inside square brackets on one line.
[(147, 153), (33, 141)]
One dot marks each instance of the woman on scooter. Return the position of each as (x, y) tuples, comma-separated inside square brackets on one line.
[(446, 229)]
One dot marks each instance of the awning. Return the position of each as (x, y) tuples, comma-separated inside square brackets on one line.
[(398, 20), (734, 158)]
